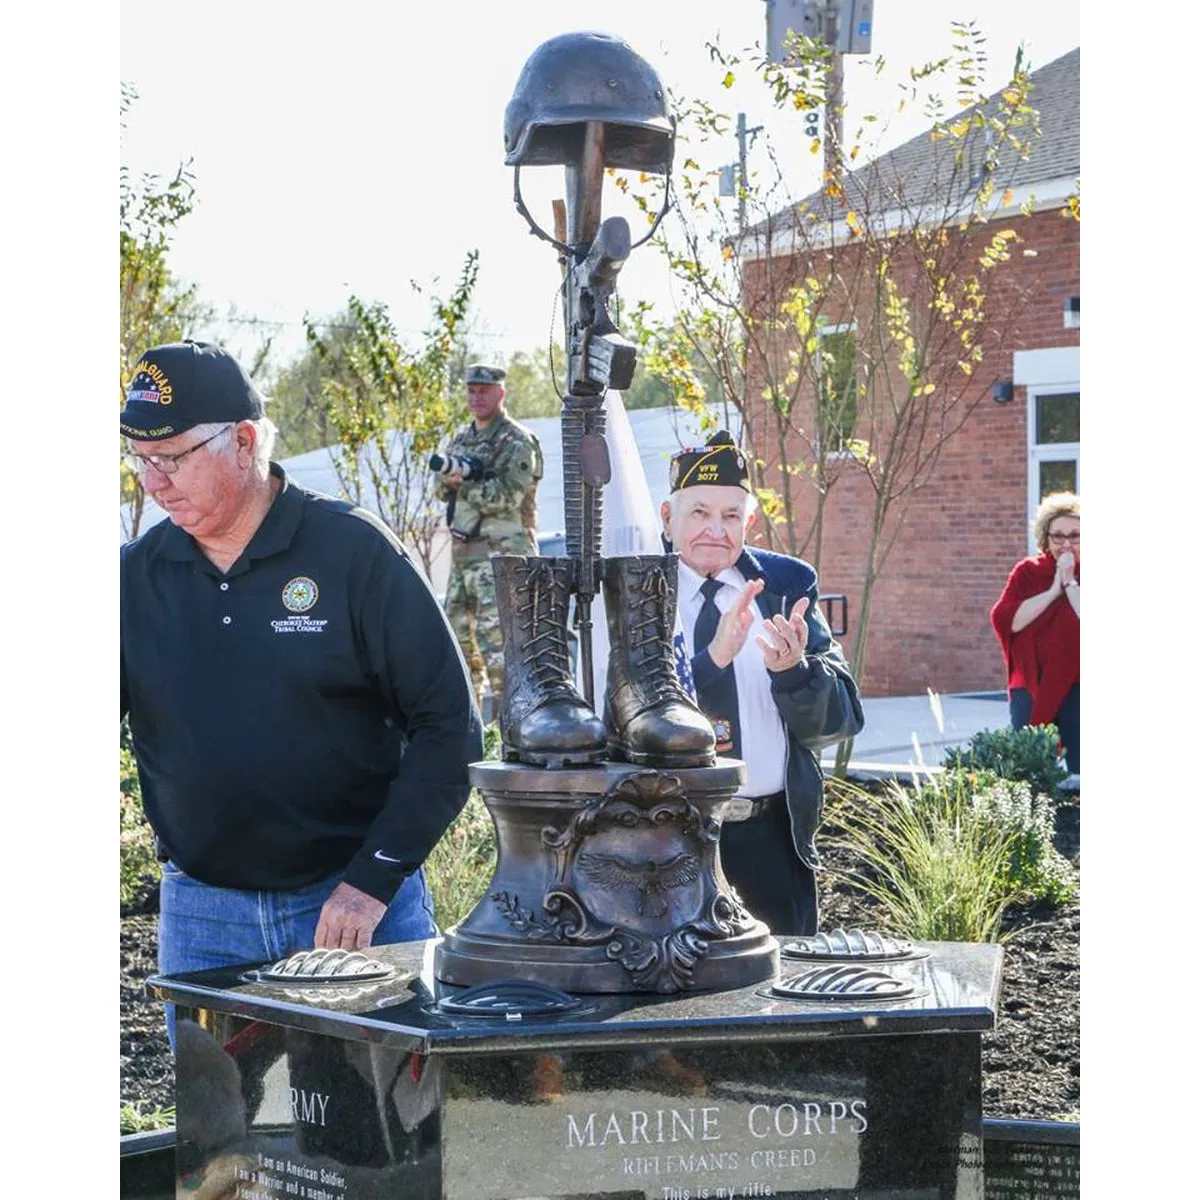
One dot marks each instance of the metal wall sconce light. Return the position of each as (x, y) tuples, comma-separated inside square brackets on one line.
[(1002, 391)]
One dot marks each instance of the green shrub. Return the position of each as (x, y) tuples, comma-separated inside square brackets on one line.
[(1036, 869), (938, 866), (139, 866), (463, 862), (947, 858), (135, 1119), (1029, 754), (461, 865), (491, 742)]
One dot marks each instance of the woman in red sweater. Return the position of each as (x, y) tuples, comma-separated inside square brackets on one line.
[(1037, 622)]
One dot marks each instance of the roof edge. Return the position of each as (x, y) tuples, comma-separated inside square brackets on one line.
[(1042, 196)]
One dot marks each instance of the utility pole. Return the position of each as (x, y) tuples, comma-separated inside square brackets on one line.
[(743, 178), (833, 98), (845, 27), (741, 140)]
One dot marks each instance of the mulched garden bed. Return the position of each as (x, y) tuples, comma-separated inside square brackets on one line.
[(1030, 1061)]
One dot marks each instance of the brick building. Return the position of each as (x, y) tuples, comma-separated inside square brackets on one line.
[(1019, 433)]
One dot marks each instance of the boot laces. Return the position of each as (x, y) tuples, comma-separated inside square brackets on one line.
[(652, 636), (545, 652)]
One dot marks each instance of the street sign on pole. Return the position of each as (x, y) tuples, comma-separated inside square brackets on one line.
[(844, 24), (787, 16), (854, 21)]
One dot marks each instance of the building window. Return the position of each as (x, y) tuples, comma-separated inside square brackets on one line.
[(1053, 444), (837, 398)]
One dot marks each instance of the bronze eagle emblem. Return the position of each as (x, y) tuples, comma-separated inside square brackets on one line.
[(650, 879)]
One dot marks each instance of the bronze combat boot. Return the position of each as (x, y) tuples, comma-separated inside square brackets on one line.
[(543, 719), (651, 720)]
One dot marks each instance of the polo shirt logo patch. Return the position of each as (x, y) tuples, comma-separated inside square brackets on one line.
[(300, 594), (298, 624)]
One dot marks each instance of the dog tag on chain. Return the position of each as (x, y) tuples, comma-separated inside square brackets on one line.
[(593, 460)]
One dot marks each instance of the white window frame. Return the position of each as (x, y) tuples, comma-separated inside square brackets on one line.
[(822, 332), (1050, 451)]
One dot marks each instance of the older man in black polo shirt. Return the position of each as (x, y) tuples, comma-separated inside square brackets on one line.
[(301, 715), (775, 699)]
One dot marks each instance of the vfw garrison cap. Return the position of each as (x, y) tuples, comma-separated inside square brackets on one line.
[(719, 461), (181, 384)]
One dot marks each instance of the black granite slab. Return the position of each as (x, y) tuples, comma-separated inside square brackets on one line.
[(148, 1165), (349, 1092), (956, 989), (1031, 1160), (267, 1110), (1020, 1158)]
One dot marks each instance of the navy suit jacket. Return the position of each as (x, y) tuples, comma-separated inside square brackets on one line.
[(818, 700)]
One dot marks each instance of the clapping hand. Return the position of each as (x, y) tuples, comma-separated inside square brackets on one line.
[(1065, 569), (734, 626), (785, 639)]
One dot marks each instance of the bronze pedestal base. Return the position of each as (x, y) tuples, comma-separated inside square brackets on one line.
[(608, 879)]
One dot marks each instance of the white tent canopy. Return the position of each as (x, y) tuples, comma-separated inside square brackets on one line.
[(657, 432)]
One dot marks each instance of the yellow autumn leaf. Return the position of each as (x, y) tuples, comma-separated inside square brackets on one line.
[(852, 218), (1007, 197), (727, 252), (727, 82), (814, 146)]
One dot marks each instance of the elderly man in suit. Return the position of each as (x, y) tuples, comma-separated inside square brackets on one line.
[(775, 699)]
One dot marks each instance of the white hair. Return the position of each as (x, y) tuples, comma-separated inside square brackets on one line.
[(264, 438)]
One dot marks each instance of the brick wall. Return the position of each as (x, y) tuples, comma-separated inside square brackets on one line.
[(965, 529)]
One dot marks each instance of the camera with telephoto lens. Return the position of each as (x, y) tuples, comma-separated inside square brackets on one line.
[(464, 464)]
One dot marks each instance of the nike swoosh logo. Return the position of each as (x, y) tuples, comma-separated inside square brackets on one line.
[(379, 854)]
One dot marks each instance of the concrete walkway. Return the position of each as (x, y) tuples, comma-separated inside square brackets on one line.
[(907, 732)]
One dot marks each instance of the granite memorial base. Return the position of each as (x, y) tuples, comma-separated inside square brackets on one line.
[(395, 1088), (1031, 1160), (1021, 1159)]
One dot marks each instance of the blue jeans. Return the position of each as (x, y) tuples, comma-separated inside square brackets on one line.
[(1020, 705), (202, 926)]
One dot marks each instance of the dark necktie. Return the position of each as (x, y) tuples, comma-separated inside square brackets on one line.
[(719, 700)]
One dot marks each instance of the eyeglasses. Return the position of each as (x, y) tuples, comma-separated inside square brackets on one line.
[(168, 464), (1060, 539)]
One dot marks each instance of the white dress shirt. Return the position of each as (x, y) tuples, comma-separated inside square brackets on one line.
[(764, 742)]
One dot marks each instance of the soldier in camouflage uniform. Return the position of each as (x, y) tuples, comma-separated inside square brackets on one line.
[(495, 514)]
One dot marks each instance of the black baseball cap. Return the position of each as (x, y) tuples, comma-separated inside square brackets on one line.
[(719, 462), (181, 384)]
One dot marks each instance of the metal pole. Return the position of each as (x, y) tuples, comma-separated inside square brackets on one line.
[(580, 417), (743, 186), (833, 99)]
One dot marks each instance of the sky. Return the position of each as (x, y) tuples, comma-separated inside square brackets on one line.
[(357, 153)]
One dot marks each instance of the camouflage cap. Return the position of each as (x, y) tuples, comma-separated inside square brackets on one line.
[(482, 373)]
